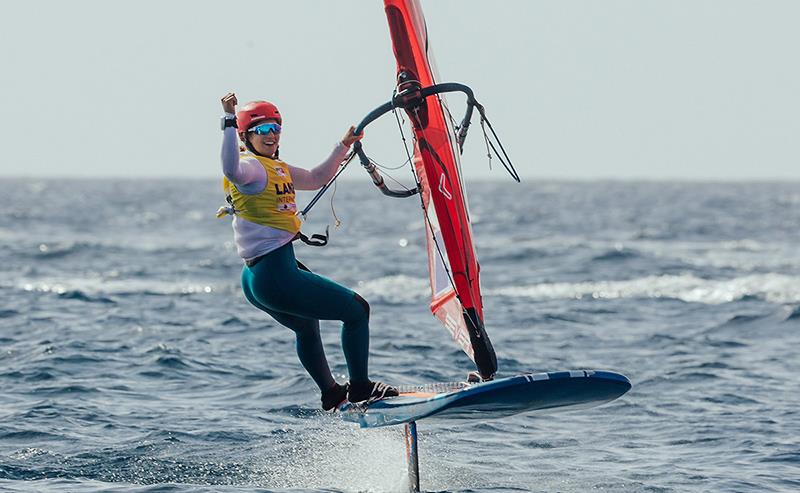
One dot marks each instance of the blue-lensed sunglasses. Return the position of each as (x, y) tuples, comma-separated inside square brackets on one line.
[(266, 128)]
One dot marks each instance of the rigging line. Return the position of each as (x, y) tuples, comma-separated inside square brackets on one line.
[(457, 129), (403, 135), (409, 158), (384, 167), (405, 146), (439, 251), (449, 115), (399, 117), (508, 165), (337, 222), (324, 189), (486, 141), (460, 218), (425, 210), (428, 220), (390, 176)]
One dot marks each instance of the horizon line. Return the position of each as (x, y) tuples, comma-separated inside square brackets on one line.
[(366, 179)]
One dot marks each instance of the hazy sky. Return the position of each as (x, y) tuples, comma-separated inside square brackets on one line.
[(579, 89)]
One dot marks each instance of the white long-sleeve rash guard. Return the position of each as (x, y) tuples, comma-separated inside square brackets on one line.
[(253, 240)]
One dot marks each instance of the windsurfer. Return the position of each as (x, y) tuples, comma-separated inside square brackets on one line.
[(261, 197)]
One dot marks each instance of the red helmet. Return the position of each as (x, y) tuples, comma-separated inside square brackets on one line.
[(254, 112)]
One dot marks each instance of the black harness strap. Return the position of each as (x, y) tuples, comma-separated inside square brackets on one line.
[(317, 240)]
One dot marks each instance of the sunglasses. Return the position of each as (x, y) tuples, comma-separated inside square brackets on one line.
[(266, 128)]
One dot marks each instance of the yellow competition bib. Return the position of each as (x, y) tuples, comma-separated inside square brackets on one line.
[(275, 206)]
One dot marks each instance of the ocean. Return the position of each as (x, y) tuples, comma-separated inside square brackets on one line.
[(131, 362)]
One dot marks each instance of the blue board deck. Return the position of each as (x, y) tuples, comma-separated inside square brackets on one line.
[(534, 392)]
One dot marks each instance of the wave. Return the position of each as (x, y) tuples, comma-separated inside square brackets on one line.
[(746, 255), (616, 254), (24, 435), (775, 288), (130, 246), (8, 313), (394, 290), (81, 296), (98, 289), (794, 314), (402, 290)]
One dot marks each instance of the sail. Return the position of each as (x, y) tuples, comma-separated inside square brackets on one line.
[(453, 265)]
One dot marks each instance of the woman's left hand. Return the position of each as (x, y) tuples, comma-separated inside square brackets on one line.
[(350, 137)]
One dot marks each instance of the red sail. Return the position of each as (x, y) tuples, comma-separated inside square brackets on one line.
[(455, 284)]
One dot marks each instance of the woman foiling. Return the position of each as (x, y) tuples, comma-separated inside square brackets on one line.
[(261, 193)]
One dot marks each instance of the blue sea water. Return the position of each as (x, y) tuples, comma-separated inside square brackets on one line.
[(130, 361)]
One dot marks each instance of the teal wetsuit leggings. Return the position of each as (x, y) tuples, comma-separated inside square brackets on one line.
[(297, 298)]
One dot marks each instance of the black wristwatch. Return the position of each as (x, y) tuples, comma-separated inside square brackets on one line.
[(227, 121)]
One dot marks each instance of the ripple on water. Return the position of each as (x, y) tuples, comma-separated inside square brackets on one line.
[(130, 361)]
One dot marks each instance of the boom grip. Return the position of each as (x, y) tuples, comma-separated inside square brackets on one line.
[(404, 99)]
